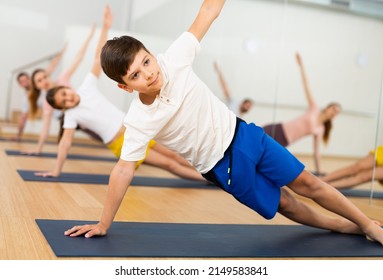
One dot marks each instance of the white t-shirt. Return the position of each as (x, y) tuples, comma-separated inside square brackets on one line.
[(94, 111), (186, 116)]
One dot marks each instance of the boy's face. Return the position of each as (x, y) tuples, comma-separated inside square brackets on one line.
[(144, 75)]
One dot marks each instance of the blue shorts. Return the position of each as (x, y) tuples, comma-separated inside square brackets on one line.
[(254, 168)]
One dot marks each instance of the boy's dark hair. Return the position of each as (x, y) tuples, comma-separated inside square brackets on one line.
[(50, 97), (118, 54)]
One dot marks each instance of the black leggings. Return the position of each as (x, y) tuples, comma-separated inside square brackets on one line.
[(276, 131)]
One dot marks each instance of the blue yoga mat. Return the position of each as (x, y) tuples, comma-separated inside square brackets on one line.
[(103, 179), (70, 156), (88, 145), (84, 178), (134, 239), (361, 193)]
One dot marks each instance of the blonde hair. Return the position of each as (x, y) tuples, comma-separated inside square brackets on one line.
[(34, 95)]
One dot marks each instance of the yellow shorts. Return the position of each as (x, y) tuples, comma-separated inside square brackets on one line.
[(116, 147), (379, 155)]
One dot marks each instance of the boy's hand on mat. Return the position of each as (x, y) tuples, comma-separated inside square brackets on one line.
[(86, 230), (47, 174)]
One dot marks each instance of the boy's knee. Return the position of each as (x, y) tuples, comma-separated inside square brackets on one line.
[(304, 180), (285, 200), (308, 185)]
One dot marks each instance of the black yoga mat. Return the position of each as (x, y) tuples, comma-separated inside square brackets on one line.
[(83, 178), (133, 239), (361, 193), (88, 145), (70, 156), (102, 179)]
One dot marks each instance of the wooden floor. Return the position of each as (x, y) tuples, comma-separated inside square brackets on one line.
[(23, 202)]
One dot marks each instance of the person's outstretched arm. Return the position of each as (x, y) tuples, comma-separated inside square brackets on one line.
[(107, 23), (22, 121), (55, 61), (67, 74), (62, 153), (306, 86), (223, 83), (209, 11), (47, 113), (317, 141)]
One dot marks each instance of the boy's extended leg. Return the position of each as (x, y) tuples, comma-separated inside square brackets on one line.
[(302, 213), (331, 199)]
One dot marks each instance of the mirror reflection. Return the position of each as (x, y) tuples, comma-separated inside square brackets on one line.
[(313, 77)]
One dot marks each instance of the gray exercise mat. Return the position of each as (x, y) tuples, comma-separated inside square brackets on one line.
[(134, 239), (84, 178), (69, 156), (361, 193), (86, 145)]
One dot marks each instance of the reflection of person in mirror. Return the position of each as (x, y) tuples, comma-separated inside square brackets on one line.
[(176, 108), (313, 121), (362, 171), (240, 109), (24, 81)]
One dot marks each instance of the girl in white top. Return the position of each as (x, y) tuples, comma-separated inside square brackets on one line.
[(41, 83)]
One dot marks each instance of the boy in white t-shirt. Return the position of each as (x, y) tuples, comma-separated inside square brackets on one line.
[(88, 109), (177, 109)]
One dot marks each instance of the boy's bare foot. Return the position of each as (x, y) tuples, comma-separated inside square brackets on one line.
[(375, 233), (346, 226)]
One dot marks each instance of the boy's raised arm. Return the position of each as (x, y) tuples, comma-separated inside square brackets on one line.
[(209, 11)]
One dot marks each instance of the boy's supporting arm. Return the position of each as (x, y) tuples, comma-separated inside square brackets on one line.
[(120, 178), (209, 11)]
